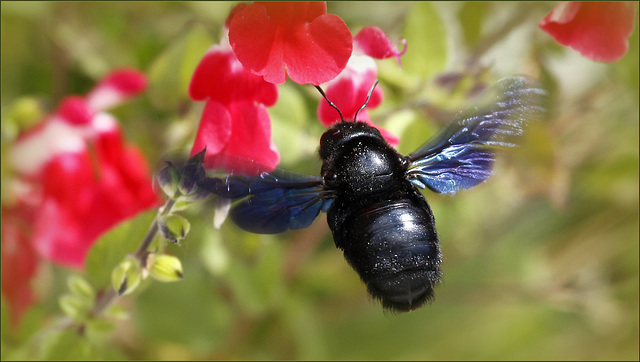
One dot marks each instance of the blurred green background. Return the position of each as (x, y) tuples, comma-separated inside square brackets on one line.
[(540, 262)]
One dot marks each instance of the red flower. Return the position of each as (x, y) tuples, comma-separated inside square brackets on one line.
[(235, 126), (116, 88), (220, 77), (598, 30), (349, 90), (19, 259), (372, 41), (273, 39), (76, 179), (237, 137), (83, 178)]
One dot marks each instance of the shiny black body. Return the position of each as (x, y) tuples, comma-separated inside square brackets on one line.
[(378, 217), (370, 192)]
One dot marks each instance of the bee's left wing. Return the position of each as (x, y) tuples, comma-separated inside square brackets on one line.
[(460, 156), (272, 202)]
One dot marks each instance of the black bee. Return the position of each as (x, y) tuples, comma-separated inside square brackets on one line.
[(370, 192)]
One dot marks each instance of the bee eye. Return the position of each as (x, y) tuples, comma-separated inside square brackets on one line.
[(328, 141), (405, 162), (331, 135), (330, 179)]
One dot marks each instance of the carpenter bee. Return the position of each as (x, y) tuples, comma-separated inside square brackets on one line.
[(370, 192)]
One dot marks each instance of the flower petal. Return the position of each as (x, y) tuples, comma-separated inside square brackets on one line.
[(75, 110), (35, 149), (19, 259), (319, 51), (372, 41), (58, 235), (85, 195), (249, 148), (214, 131), (598, 30), (87, 177), (221, 77), (236, 9), (251, 138), (271, 39), (58, 226), (349, 93), (118, 86)]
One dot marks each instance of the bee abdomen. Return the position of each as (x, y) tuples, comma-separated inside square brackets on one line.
[(394, 248)]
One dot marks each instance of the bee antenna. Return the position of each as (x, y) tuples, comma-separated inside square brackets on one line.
[(330, 103), (355, 118)]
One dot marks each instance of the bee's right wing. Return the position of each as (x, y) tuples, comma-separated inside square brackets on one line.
[(270, 204)]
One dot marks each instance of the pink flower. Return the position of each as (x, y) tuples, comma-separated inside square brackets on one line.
[(349, 90), (598, 30), (273, 39), (80, 176), (235, 126)]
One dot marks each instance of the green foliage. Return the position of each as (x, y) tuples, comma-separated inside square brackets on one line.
[(113, 246), (472, 16), (540, 262), (170, 73), (425, 33)]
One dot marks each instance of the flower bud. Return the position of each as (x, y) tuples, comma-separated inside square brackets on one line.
[(166, 268), (174, 227), (188, 184), (126, 276), (199, 194), (192, 174), (169, 179)]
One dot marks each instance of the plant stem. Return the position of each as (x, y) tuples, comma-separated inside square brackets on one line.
[(109, 296), (153, 229)]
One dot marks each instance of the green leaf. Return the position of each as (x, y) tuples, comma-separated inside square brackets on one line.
[(116, 312), (100, 326), (67, 345), (627, 68), (193, 313), (257, 285), (426, 41), (471, 16), (80, 287), (75, 307), (113, 246), (215, 256), (290, 125), (415, 134), (170, 73)]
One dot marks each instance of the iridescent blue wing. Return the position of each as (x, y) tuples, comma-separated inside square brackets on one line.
[(272, 202), (461, 155)]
